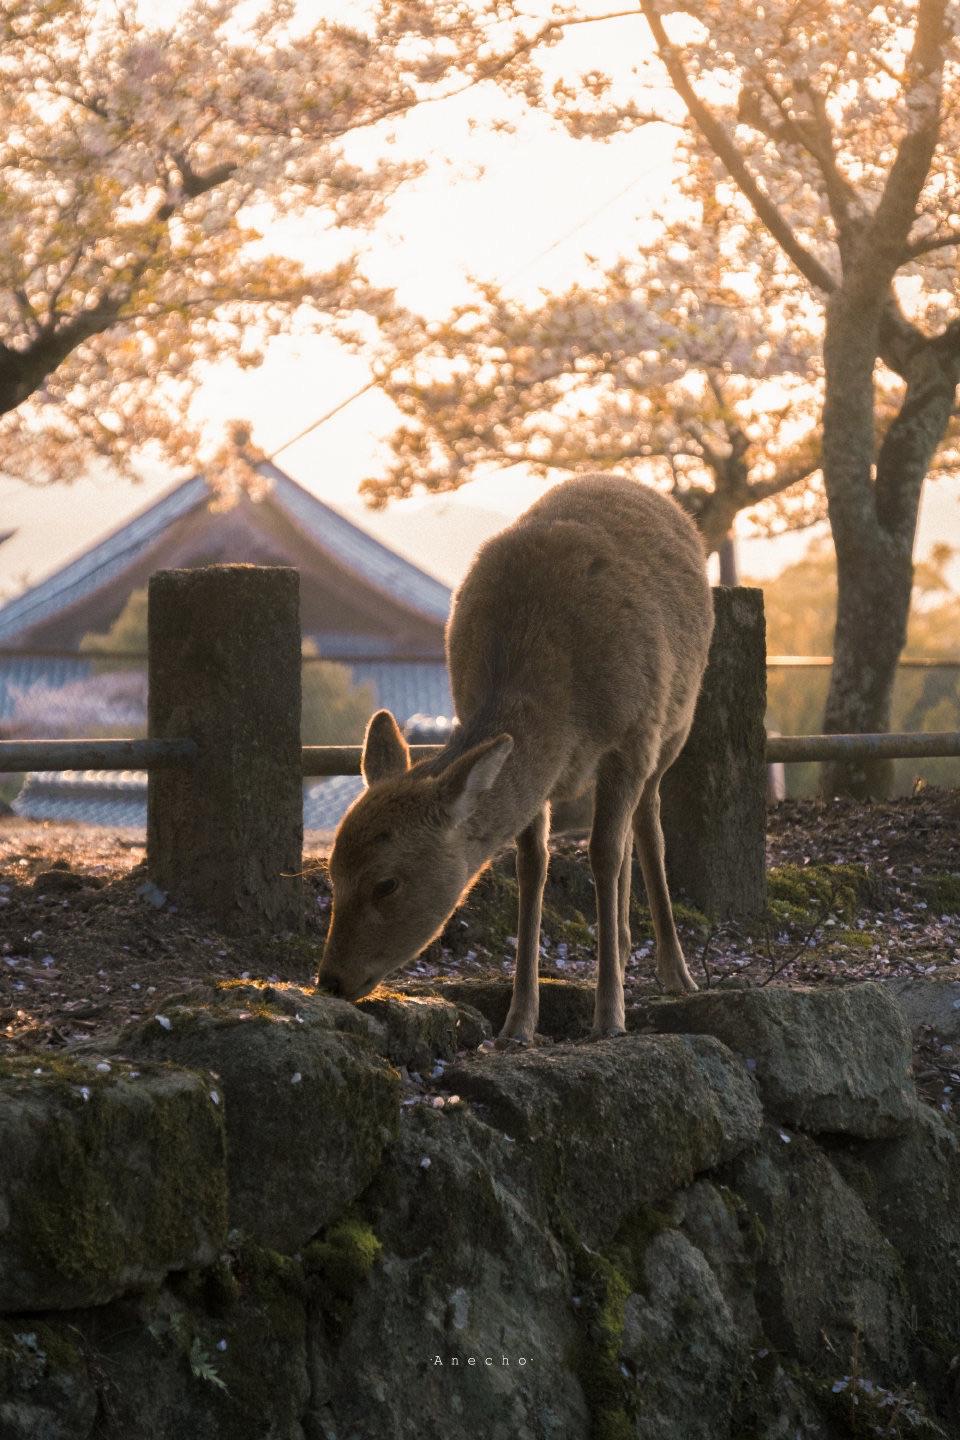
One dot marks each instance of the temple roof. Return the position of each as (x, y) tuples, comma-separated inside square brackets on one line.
[(330, 535)]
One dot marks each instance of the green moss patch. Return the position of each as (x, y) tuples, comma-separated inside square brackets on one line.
[(803, 894), (603, 1282), (941, 892), (855, 939), (340, 1264)]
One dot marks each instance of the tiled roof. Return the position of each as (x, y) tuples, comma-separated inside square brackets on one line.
[(359, 551), (405, 687), (408, 688), (18, 674), (89, 571), (97, 798), (331, 532), (89, 797)]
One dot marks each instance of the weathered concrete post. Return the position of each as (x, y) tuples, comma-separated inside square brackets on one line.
[(714, 798), (226, 833)]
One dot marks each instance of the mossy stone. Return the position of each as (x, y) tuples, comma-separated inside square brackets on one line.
[(829, 1285), (910, 1184), (634, 1117), (308, 1108), (566, 1006), (833, 1060), (114, 1174), (468, 1268), (176, 1363), (681, 1344), (927, 1000), (418, 1029), (46, 1389)]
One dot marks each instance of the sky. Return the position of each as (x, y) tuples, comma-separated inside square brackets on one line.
[(542, 201)]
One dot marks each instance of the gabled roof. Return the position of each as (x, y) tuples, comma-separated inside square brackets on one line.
[(358, 550), (352, 548), (101, 563)]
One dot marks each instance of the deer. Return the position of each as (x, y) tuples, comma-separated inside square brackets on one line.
[(576, 646)]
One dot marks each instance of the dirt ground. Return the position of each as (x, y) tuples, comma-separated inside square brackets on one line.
[(86, 942)]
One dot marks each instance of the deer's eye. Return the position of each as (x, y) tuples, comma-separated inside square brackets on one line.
[(383, 888)]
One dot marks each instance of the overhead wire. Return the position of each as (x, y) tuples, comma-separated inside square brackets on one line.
[(501, 280)]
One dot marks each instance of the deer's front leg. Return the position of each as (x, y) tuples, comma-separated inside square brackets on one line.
[(613, 812), (672, 969), (532, 859)]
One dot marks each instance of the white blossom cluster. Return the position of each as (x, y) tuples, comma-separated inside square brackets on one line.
[(144, 159)]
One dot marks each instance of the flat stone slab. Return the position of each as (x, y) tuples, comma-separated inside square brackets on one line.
[(925, 1001), (617, 1124), (825, 1060), (309, 1105), (421, 1028), (566, 1006), (113, 1174)]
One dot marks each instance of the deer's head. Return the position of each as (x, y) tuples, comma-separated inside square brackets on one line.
[(401, 861)]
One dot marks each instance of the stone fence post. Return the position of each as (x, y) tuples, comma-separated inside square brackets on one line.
[(713, 800), (226, 833)]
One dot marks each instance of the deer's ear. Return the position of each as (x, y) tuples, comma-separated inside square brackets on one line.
[(385, 751), (462, 783)]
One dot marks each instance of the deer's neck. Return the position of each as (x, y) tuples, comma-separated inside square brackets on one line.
[(524, 784)]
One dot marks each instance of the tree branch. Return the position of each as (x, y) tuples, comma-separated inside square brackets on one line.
[(912, 438), (488, 71), (725, 148), (899, 338), (787, 475), (925, 247), (885, 237)]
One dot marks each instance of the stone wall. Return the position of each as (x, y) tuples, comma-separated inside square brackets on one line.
[(266, 1213)]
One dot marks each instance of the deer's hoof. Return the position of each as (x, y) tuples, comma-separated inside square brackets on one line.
[(683, 984), (607, 1032), (521, 1041)]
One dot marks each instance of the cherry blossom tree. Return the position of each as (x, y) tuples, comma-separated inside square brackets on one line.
[(830, 134), (652, 368), (143, 162), (838, 127)]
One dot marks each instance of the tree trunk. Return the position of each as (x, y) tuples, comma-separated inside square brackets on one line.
[(873, 604), (874, 521), (727, 555)]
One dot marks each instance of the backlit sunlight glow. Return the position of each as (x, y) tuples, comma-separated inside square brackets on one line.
[(483, 218)]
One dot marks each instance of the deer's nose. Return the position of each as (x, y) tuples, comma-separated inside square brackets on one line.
[(330, 984)]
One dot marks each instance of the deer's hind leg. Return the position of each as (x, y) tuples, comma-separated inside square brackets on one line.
[(672, 969), (616, 798), (532, 860), (623, 901)]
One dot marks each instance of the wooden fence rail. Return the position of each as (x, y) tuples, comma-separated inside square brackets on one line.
[(20, 756), (225, 765), (915, 745)]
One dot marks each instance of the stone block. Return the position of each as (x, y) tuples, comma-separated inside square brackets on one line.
[(632, 1118), (308, 1104), (824, 1060), (113, 1174)]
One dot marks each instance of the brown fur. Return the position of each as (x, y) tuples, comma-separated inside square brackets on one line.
[(576, 648)]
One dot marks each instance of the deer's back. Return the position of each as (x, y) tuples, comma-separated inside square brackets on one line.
[(595, 604)]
